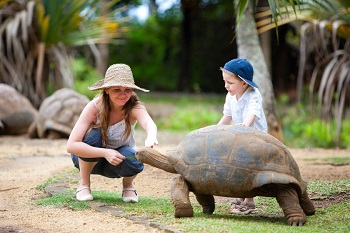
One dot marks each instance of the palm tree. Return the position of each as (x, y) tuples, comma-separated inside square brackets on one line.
[(249, 47), (327, 25), (37, 38)]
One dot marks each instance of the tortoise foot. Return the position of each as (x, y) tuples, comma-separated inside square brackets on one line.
[(296, 221), (208, 209), (183, 212), (288, 200)]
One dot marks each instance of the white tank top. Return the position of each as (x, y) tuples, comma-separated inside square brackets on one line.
[(115, 135)]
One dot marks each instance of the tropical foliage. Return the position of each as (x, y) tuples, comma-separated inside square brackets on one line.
[(324, 50), (37, 38)]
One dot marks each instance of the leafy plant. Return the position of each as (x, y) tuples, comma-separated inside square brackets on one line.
[(37, 38), (84, 76), (302, 128), (190, 118), (323, 64)]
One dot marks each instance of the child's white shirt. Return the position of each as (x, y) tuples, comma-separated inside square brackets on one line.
[(250, 102)]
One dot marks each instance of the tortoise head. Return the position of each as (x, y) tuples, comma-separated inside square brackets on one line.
[(154, 158)]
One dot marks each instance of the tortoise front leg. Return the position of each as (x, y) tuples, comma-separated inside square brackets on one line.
[(207, 202), (288, 200), (180, 198)]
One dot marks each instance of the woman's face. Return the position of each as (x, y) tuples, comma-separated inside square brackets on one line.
[(119, 95)]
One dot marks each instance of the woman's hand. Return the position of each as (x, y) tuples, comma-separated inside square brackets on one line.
[(113, 157), (151, 141)]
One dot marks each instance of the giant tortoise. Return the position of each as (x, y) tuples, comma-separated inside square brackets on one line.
[(58, 114), (232, 161), (16, 112)]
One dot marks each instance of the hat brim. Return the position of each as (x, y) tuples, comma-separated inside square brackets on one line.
[(99, 86), (251, 83)]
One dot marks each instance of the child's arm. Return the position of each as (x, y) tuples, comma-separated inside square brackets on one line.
[(249, 120), (225, 120)]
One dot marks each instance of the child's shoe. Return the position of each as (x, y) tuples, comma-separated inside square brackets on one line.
[(244, 208), (235, 206)]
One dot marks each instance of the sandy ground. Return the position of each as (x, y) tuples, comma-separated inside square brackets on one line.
[(26, 163)]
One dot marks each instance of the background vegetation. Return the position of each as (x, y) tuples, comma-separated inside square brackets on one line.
[(186, 112), (180, 50)]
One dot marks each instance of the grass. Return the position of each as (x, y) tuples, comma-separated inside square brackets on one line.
[(339, 160), (336, 161), (334, 218)]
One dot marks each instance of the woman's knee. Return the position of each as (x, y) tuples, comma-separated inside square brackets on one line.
[(93, 137), (127, 151)]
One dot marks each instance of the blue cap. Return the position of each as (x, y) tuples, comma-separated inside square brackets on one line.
[(243, 69)]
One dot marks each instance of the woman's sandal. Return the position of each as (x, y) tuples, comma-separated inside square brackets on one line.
[(86, 197), (132, 199)]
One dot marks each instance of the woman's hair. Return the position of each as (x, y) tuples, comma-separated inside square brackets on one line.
[(104, 108)]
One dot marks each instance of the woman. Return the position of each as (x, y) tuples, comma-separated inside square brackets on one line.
[(102, 140)]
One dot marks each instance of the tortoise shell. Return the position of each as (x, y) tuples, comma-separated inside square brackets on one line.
[(233, 160), (59, 112), (16, 111)]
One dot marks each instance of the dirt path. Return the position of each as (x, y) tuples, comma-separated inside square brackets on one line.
[(26, 163)]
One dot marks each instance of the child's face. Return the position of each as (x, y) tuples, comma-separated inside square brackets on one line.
[(233, 84)]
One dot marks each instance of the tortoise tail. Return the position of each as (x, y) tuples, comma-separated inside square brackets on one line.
[(156, 159)]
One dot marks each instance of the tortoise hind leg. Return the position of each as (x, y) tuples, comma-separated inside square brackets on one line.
[(180, 198), (288, 200), (207, 202), (305, 202), (307, 205)]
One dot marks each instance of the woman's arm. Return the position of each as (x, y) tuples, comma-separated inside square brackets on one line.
[(140, 114), (75, 144)]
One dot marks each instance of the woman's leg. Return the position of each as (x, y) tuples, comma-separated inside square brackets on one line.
[(128, 187), (129, 193), (87, 165), (85, 173), (129, 168)]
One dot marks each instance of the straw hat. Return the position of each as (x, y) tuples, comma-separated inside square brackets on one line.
[(117, 75)]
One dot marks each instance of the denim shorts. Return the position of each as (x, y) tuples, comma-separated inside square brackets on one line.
[(129, 167)]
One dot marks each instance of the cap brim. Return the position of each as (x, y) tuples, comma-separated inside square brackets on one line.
[(250, 83)]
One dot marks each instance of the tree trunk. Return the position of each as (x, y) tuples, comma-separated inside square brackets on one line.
[(185, 72), (39, 74), (101, 61), (102, 56), (249, 47), (153, 8)]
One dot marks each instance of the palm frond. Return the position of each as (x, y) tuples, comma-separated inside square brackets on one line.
[(327, 25), (36, 35)]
